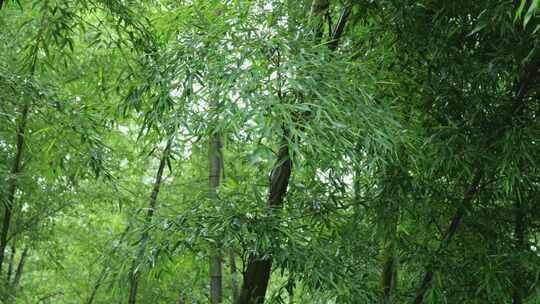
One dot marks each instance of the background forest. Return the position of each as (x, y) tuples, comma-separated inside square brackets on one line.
[(311, 151)]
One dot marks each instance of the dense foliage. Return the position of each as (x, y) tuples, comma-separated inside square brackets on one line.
[(269, 151)]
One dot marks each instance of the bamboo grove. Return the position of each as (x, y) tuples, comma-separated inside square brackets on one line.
[(266, 151)]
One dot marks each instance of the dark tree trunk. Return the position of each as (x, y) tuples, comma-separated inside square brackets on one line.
[(257, 273), (389, 272), (216, 277), (19, 272), (256, 280), (12, 183), (216, 160), (392, 195), (389, 275), (388, 219), (258, 270), (11, 261), (135, 272)]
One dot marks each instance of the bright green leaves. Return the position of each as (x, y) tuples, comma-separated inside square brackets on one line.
[(527, 10), (385, 132)]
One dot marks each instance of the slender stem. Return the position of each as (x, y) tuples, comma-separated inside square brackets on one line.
[(450, 232), (20, 268), (12, 184), (106, 270), (215, 157), (11, 261), (135, 271)]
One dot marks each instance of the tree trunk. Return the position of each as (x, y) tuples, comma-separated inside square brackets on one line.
[(216, 160), (11, 261), (389, 273), (12, 183), (19, 272), (256, 280), (135, 272), (258, 270), (215, 277), (257, 273), (388, 220)]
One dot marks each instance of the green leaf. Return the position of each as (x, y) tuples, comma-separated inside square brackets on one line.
[(531, 12), (480, 26), (520, 10)]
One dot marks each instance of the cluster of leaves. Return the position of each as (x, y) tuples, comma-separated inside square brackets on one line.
[(414, 144)]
